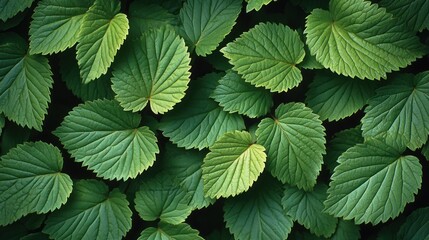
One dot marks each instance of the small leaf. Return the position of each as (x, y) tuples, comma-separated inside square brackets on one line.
[(144, 17), (425, 151), (31, 181), (233, 164), (236, 95), (346, 230), (398, 112), (166, 231), (205, 23), (197, 122), (9, 8), (108, 140), (358, 39), (258, 214), (373, 183), (295, 142), (56, 24), (153, 69), (416, 225), (25, 83), (335, 97), (267, 56), (92, 212), (103, 31), (307, 209), (256, 4), (414, 13)]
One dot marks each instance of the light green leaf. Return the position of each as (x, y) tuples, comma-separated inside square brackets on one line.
[(31, 181), (205, 23), (102, 33), (256, 4), (145, 16), (416, 227), (233, 164), (236, 95), (295, 142), (346, 230), (267, 56), (56, 24), (373, 183), (258, 214), (160, 198), (25, 83), (92, 212), (335, 97), (357, 39), (166, 231), (307, 209), (197, 122), (398, 112), (153, 69), (108, 140), (9, 8), (414, 13), (425, 151)]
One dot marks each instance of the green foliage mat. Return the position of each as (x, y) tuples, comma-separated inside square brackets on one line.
[(214, 119)]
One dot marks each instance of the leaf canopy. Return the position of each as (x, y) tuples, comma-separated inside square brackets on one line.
[(31, 181), (398, 112), (205, 23), (9, 8), (414, 13), (295, 142), (256, 4), (357, 39), (153, 69), (56, 25), (416, 225), (373, 183), (108, 140), (267, 55), (102, 33), (92, 212), (167, 231)]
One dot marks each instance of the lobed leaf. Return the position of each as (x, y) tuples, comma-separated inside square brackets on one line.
[(414, 13), (166, 231), (9, 8)]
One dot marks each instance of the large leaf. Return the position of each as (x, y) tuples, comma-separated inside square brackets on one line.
[(166, 231), (31, 181), (108, 140), (153, 69), (414, 13), (92, 212), (256, 4), (335, 97), (258, 214), (357, 39), (307, 209), (236, 95), (267, 56), (25, 83), (144, 16), (233, 164), (198, 121), (161, 198), (416, 226), (9, 8), (399, 111), (102, 33), (295, 142), (206, 22), (373, 183), (56, 25)]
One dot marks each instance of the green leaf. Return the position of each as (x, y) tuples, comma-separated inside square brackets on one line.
[(256, 4), (31, 181), (416, 226), (102, 33), (335, 97), (233, 164), (258, 214), (36, 236), (358, 39), (197, 122), (267, 56), (425, 151), (346, 230), (92, 212), (205, 23), (12, 136), (373, 183), (13, 22), (153, 69), (295, 142), (145, 16), (166, 231), (25, 83), (236, 95), (56, 25), (9, 8), (398, 112), (414, 13), (160, 198), (108, 140), (307, 209), (2, 122)]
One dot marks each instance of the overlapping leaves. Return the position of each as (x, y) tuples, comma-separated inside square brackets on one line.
[(180, 231), (414, 13)]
